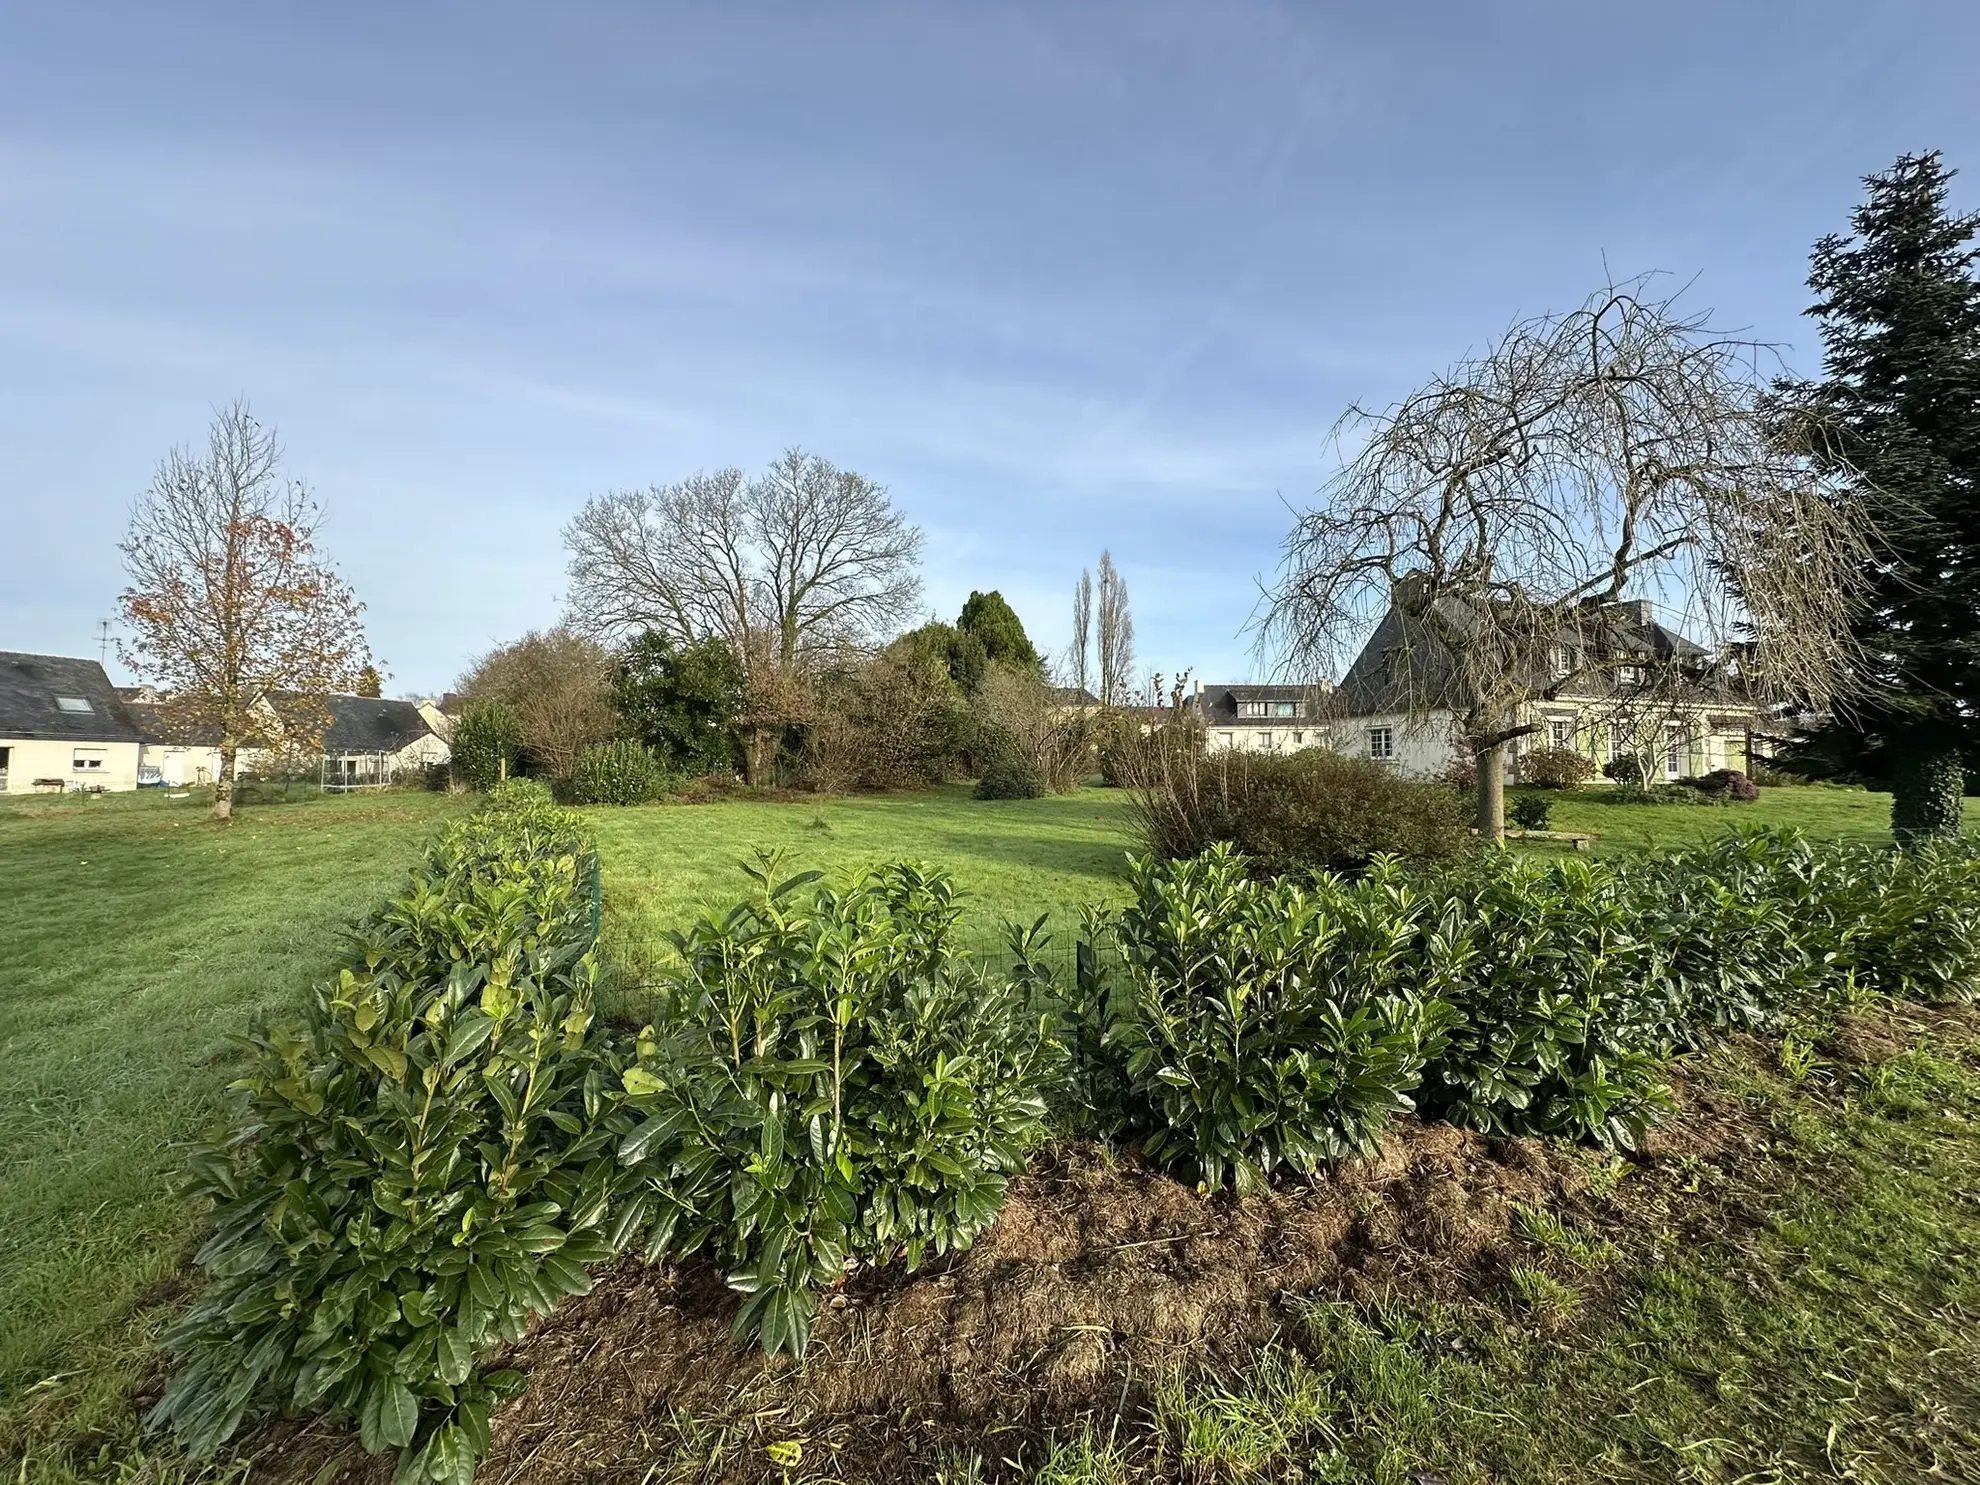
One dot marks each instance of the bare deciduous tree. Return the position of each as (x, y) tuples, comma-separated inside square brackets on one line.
[(1082, 640), (232, 614), (1115, 628), (793, 569), (1499, 515)]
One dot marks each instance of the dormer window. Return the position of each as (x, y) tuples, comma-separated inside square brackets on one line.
[(77, 704), (1629, 675), (1562, 661)]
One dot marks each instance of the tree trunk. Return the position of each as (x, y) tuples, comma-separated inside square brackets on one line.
[(223, 784), (1491, 763), (1925, 796)]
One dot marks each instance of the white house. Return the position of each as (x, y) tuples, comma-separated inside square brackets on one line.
[(369, 741), (1262, 719), (1618, 682), (63, 727)]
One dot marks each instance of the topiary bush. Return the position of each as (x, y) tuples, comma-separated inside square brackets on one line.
[(1311, 810), (621, 772), (1556, 768), (418, 1168), (829, 1079), (1255, 1027)]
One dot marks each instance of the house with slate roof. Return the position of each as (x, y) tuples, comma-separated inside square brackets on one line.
[(1614, 680), (63, 727)]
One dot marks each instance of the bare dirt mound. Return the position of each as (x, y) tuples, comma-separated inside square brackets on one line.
[(1097, 1278)]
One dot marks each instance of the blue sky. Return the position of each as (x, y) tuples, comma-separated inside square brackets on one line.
[(1061, 276)]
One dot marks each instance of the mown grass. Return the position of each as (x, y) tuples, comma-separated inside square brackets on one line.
[(1829, 813), (138, 937)]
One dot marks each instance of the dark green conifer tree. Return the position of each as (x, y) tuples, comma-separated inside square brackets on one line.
[(1898, 302)]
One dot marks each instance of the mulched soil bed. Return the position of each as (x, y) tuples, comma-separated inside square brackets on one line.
[(1099, 1277)]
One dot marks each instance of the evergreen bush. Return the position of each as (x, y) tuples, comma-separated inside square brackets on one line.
[(1532, 811), (1556, 768), (486, 743), (418, 1168), (621, 772), (831, 1078)]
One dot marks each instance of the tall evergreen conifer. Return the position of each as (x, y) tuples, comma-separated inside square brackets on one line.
[(1898, 302)]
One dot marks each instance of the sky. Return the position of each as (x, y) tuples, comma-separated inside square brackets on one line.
[(1064, 278)]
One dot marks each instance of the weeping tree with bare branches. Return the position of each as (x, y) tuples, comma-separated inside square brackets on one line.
[(794, 570), (1488, 528), (231, 610)]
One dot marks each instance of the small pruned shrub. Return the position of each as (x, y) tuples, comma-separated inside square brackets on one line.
[(1724, 786), (1256, 1027), (421, 1166), (1532, 811), (1311, 810), (1008, 775), (1556, 768), (620, 772), (829, 1079), (1630, 770), (518, 798)]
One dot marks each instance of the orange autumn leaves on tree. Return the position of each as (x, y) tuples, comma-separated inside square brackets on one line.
[(233, 614)]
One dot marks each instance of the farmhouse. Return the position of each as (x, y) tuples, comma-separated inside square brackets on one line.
[(1262, 719), (63, 727)]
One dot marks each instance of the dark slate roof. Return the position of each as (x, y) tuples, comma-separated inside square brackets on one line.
[(1219, 703), (1061, 696), (156, 727), (370, 724), (1621, 634), (29, 685)]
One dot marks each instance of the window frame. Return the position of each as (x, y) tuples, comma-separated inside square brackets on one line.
[(1382, 744)]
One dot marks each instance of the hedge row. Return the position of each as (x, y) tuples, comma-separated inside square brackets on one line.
[(450, 1142), (1248, 1026)]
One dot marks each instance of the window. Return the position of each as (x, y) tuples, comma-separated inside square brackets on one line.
[(73, 704), (1629, 675), (1560, 732), (88, 760), (1252, 709), (1285, 708), (1381, 742), (1265, 740), (1676, 745), (1299, 739), (1225, 739), (1560, 660)]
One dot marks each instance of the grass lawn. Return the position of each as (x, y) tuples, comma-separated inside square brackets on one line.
[(1014, 858), (138, 937), (1829, 813)]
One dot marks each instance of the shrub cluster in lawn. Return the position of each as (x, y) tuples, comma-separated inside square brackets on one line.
[(1532, 811), (1556, 768), (831, 1078), (1725, 786), (1255, 1024), (450, 1141), (1314, 809), (620, 772), (421, 1165)]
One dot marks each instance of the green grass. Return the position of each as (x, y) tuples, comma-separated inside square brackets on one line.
[(138, 937), (1016, 859), (1835, 814)]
